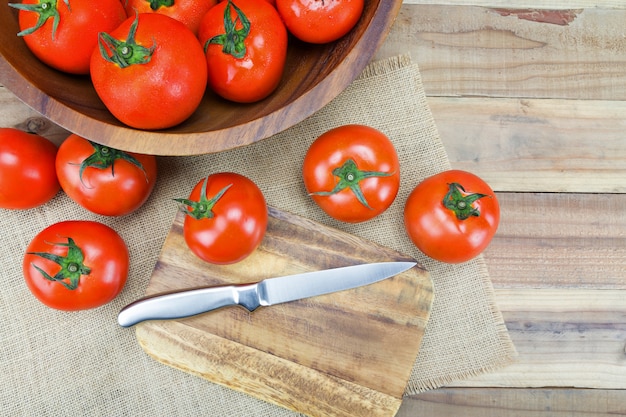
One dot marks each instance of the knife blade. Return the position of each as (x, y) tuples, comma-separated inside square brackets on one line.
[(267, 292)]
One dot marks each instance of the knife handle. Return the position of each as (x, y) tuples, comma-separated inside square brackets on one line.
[(187, 303)]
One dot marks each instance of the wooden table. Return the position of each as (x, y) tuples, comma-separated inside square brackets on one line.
[(534, 101)]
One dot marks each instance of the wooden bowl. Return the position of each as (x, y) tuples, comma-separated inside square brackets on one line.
[(314, 75)]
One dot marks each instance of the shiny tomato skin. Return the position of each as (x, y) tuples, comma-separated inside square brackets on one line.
[(372, 151), (163, 92), (189, 12), (238, 224), (437, 232), (27, 175), (117, 190), (105, 255), (70, 48), (320, 21), (256, 74)]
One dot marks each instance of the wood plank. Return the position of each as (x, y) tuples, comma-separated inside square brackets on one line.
[(478, 51), (536, 145), (489, 402), (529, 4), (565, 337), (559, 241), (515, 144), (18, 115)]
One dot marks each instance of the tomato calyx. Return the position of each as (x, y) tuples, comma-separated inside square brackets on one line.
[(72, 266), (124, 53), (203, 208), (233, 41), (104, 157), (349, 177), (457, 200), (46, 9), (157, 4)]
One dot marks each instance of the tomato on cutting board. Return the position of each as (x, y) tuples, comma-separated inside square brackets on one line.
[(352, 172), (150, 72), (64, 33), (226, 218), (320, 21), (452, 216), (27, 175), (76, 265), (189, 12), (104, 180), (246, 48)]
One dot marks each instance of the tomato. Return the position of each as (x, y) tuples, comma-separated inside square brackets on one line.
[(452, 216), (226, 218), (76, 265), (150, 72), (320, 21), (189, 12), (27, 175), (64, 33), (272, 2), (104, 180), (246, 49), (352, 172)]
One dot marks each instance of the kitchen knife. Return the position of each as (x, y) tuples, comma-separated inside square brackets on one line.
[(268, 292)]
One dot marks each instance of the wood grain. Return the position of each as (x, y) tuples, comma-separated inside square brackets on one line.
[(335, 354), (528, 106), (529, 4), (536, 109), (313, 75), (478, 52), (490, 402), (536, 145), (559, 241), (565, 338), (16, 114)]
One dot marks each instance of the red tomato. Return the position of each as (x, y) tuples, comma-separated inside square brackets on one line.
[(226, 218), (246, 49), (189, 12), (452, 216), (76, 265), (27, 175), (64, 35), (104, 180), (150, 72), (319, 21), (272, 2), (352, 172)]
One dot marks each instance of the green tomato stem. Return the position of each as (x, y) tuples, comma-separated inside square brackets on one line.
[(104, 157), (72, 266), (125, 53), (233, 41), (157, 4), (46, 9), (461, 203), (203, 208), (349, 177)]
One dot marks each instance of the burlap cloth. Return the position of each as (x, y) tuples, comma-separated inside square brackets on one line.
[(82, 363)]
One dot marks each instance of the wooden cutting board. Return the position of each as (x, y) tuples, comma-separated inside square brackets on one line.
[(348, 353)]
